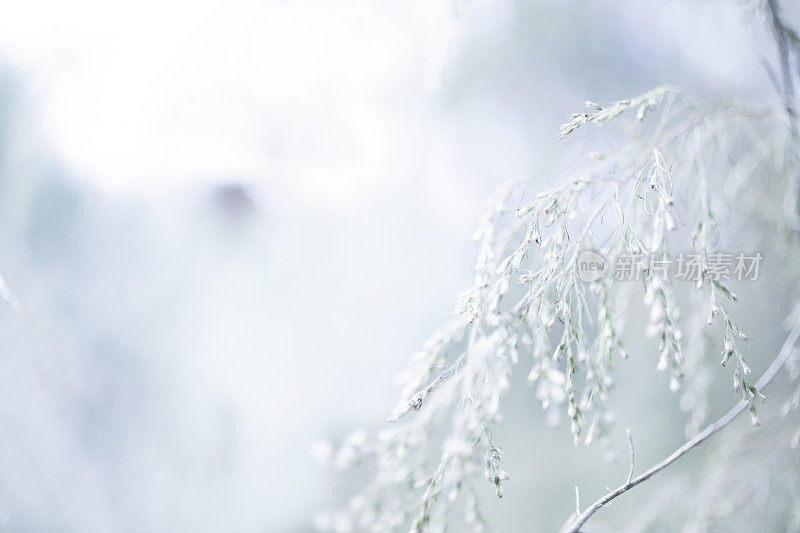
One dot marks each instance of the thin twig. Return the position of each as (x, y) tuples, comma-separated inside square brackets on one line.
[(783, 37), (588, 227), (630, 455), (577, 501), (574, 525)]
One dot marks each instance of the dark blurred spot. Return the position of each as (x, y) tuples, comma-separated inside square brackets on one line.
[(234, 204)]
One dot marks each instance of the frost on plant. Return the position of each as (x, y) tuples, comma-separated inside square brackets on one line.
[(689, 170), (686, 167)]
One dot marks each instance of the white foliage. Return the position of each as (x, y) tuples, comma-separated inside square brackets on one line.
[(687, 167)]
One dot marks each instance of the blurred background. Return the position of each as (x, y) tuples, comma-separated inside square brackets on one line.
[(230, 224)]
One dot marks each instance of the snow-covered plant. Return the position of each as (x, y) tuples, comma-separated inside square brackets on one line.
[(688, 169)]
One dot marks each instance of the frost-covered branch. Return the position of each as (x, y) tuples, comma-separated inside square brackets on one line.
[(529, 299), (688, 169)]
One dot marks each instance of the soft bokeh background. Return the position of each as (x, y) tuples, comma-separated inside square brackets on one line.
[(230, 223)]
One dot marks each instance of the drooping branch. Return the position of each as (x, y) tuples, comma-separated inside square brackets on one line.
[(788, 45), (574, 524)]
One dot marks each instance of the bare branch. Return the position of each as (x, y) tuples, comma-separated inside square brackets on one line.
[(577, 501), (574, 525)]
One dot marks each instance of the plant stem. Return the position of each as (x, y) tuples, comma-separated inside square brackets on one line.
[(783, 37), (573, 525)]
